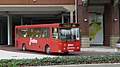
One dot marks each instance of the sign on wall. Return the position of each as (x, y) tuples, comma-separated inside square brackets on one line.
[(96, 29)]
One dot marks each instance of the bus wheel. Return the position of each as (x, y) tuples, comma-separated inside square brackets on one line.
[(66, 52), (23, 47), (47, 50)]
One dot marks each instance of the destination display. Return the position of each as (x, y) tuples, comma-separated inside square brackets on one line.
[(69, 25)]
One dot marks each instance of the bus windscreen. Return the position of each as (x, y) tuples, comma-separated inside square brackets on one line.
[(69, 34)]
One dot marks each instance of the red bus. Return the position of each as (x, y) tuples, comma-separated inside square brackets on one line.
[(49, 38)]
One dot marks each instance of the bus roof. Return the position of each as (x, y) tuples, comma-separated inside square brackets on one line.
[(41, 25), (38, 25)]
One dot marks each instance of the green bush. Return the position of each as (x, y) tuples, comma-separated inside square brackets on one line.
[(59, 60)]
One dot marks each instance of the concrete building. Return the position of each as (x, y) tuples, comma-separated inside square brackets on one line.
[(99, 19)]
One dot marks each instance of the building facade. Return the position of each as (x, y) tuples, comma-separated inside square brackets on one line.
[(99, 19)]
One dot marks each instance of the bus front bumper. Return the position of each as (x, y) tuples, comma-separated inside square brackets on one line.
[(117, 49), (69, 49)]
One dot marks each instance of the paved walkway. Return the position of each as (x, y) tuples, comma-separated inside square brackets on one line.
[(99, 50), (17, 55), (86, 65)]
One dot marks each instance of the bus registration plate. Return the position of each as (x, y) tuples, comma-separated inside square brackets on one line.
[(70, 50)]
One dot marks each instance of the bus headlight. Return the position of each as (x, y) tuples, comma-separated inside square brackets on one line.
[(77, 47), (60, 43), (59, 50), (64, 44)]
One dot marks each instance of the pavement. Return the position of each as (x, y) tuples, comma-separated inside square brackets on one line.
[(17, 55), (13, 53), (86, 65), (99, 49)]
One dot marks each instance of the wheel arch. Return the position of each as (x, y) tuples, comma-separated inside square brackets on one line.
[(46, 46)]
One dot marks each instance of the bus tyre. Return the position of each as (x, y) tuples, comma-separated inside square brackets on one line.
[(23, 47), (66, 52), (47, 50)]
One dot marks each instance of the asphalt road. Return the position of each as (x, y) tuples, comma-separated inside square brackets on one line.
[(83, 52)]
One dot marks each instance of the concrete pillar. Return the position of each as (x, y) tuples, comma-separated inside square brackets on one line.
[(31, 21), (1, 33), (62, 18), (9, 29), (71, 17), (76, 11), (21, 21), (115, 27), (68, 20), (83, 12), (108, 19)]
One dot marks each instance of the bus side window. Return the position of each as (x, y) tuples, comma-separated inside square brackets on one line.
[(55, 33), (37, 32), (46, 32), (31, 32), (24, 32), (17, 32)]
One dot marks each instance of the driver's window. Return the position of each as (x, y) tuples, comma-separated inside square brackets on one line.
[(55, 33)]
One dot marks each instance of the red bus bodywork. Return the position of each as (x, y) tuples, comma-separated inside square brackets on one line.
[(39, 44)]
